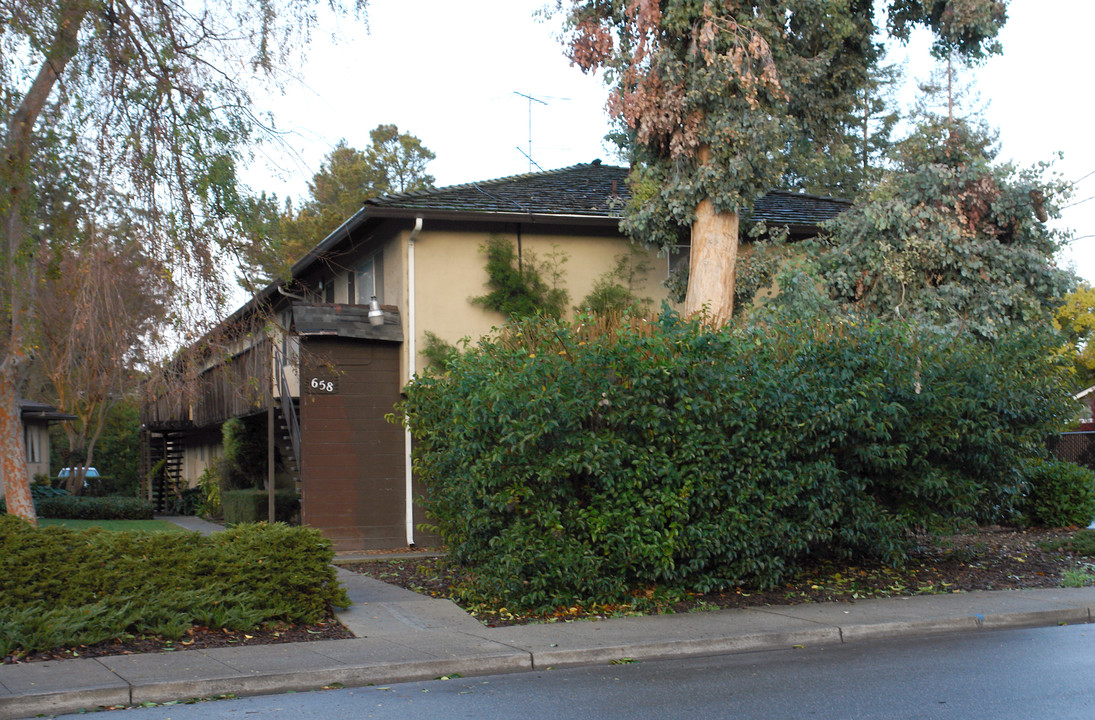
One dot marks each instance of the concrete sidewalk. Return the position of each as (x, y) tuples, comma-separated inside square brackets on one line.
[(403, 636)]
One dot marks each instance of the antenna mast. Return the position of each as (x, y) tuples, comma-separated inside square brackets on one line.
[(528, 154)]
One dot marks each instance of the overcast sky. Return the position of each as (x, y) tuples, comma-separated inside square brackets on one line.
[(450, 73)]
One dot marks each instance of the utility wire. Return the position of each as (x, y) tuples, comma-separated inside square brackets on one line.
[(1085, 177), (1078, 202)]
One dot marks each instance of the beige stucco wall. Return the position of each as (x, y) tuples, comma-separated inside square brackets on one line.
[(395, 258), (450, 269), (196, 459)]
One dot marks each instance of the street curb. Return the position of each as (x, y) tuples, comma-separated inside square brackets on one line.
[(1037, 618), (875, 631), (666, 650), (521, 659), (55, 703), (309, 680)]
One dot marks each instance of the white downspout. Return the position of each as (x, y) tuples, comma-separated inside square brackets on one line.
[(412, 356)]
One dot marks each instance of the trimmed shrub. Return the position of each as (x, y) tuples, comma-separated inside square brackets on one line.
[(243, 506), (59, 503), (94, 508), (577, 463), (70, 587), (1059, 494)]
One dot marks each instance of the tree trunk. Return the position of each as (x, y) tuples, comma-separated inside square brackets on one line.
[(17, 257), (13, 461), (712, 263)]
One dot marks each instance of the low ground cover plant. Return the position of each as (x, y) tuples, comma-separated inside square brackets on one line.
[(574, 463), (65, 587)]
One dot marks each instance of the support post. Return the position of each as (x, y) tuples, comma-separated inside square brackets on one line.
[(270, 460)]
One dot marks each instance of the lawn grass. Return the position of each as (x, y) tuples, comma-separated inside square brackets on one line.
[(115, 525)]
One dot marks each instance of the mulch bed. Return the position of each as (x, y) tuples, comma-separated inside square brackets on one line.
[(991, 558), (197, 638), (988, 559)]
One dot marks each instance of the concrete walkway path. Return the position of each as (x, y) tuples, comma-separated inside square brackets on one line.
[(190, 522), (403, 636)]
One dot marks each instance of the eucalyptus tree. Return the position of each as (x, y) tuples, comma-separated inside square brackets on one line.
[(952, 238), (725, 100), (152, 96)]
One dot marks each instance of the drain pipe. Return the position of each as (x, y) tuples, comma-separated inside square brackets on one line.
[(412, 357)]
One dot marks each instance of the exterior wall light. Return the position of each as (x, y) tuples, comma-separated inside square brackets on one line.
[(376, 315)]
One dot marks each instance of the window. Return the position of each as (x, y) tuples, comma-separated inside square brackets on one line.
[(369, 280), (678, 256), (31, 443)]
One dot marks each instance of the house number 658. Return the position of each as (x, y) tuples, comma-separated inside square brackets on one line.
[(323, 385)]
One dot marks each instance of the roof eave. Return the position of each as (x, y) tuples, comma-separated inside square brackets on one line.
[(490, 216), (332, 239)]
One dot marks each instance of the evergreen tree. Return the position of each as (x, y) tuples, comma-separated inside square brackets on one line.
[(951, 238), (874, 123), (393, 162)]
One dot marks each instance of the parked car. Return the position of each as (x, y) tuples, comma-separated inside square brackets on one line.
[(65, 472)]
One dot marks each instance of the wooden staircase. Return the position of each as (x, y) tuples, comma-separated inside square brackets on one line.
[(168, 447), (285, 419)]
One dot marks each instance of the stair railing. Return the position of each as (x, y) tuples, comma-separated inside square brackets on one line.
[(287, 409)]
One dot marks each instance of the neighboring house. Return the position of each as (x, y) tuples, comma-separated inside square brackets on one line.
[(36, 419), (338, 373), (1086, 398), (1078, 447)]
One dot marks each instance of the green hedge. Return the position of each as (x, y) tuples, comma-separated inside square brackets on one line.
[(55, 503), (94, 508), (1058, 494), (70, 587), (252, 505), (570, 466)]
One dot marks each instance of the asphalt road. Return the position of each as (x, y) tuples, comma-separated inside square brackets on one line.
[(1031, 673)]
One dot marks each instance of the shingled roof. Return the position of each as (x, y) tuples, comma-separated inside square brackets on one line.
[(591, 190)]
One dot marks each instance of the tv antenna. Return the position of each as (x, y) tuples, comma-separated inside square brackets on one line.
[(528, 154)]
